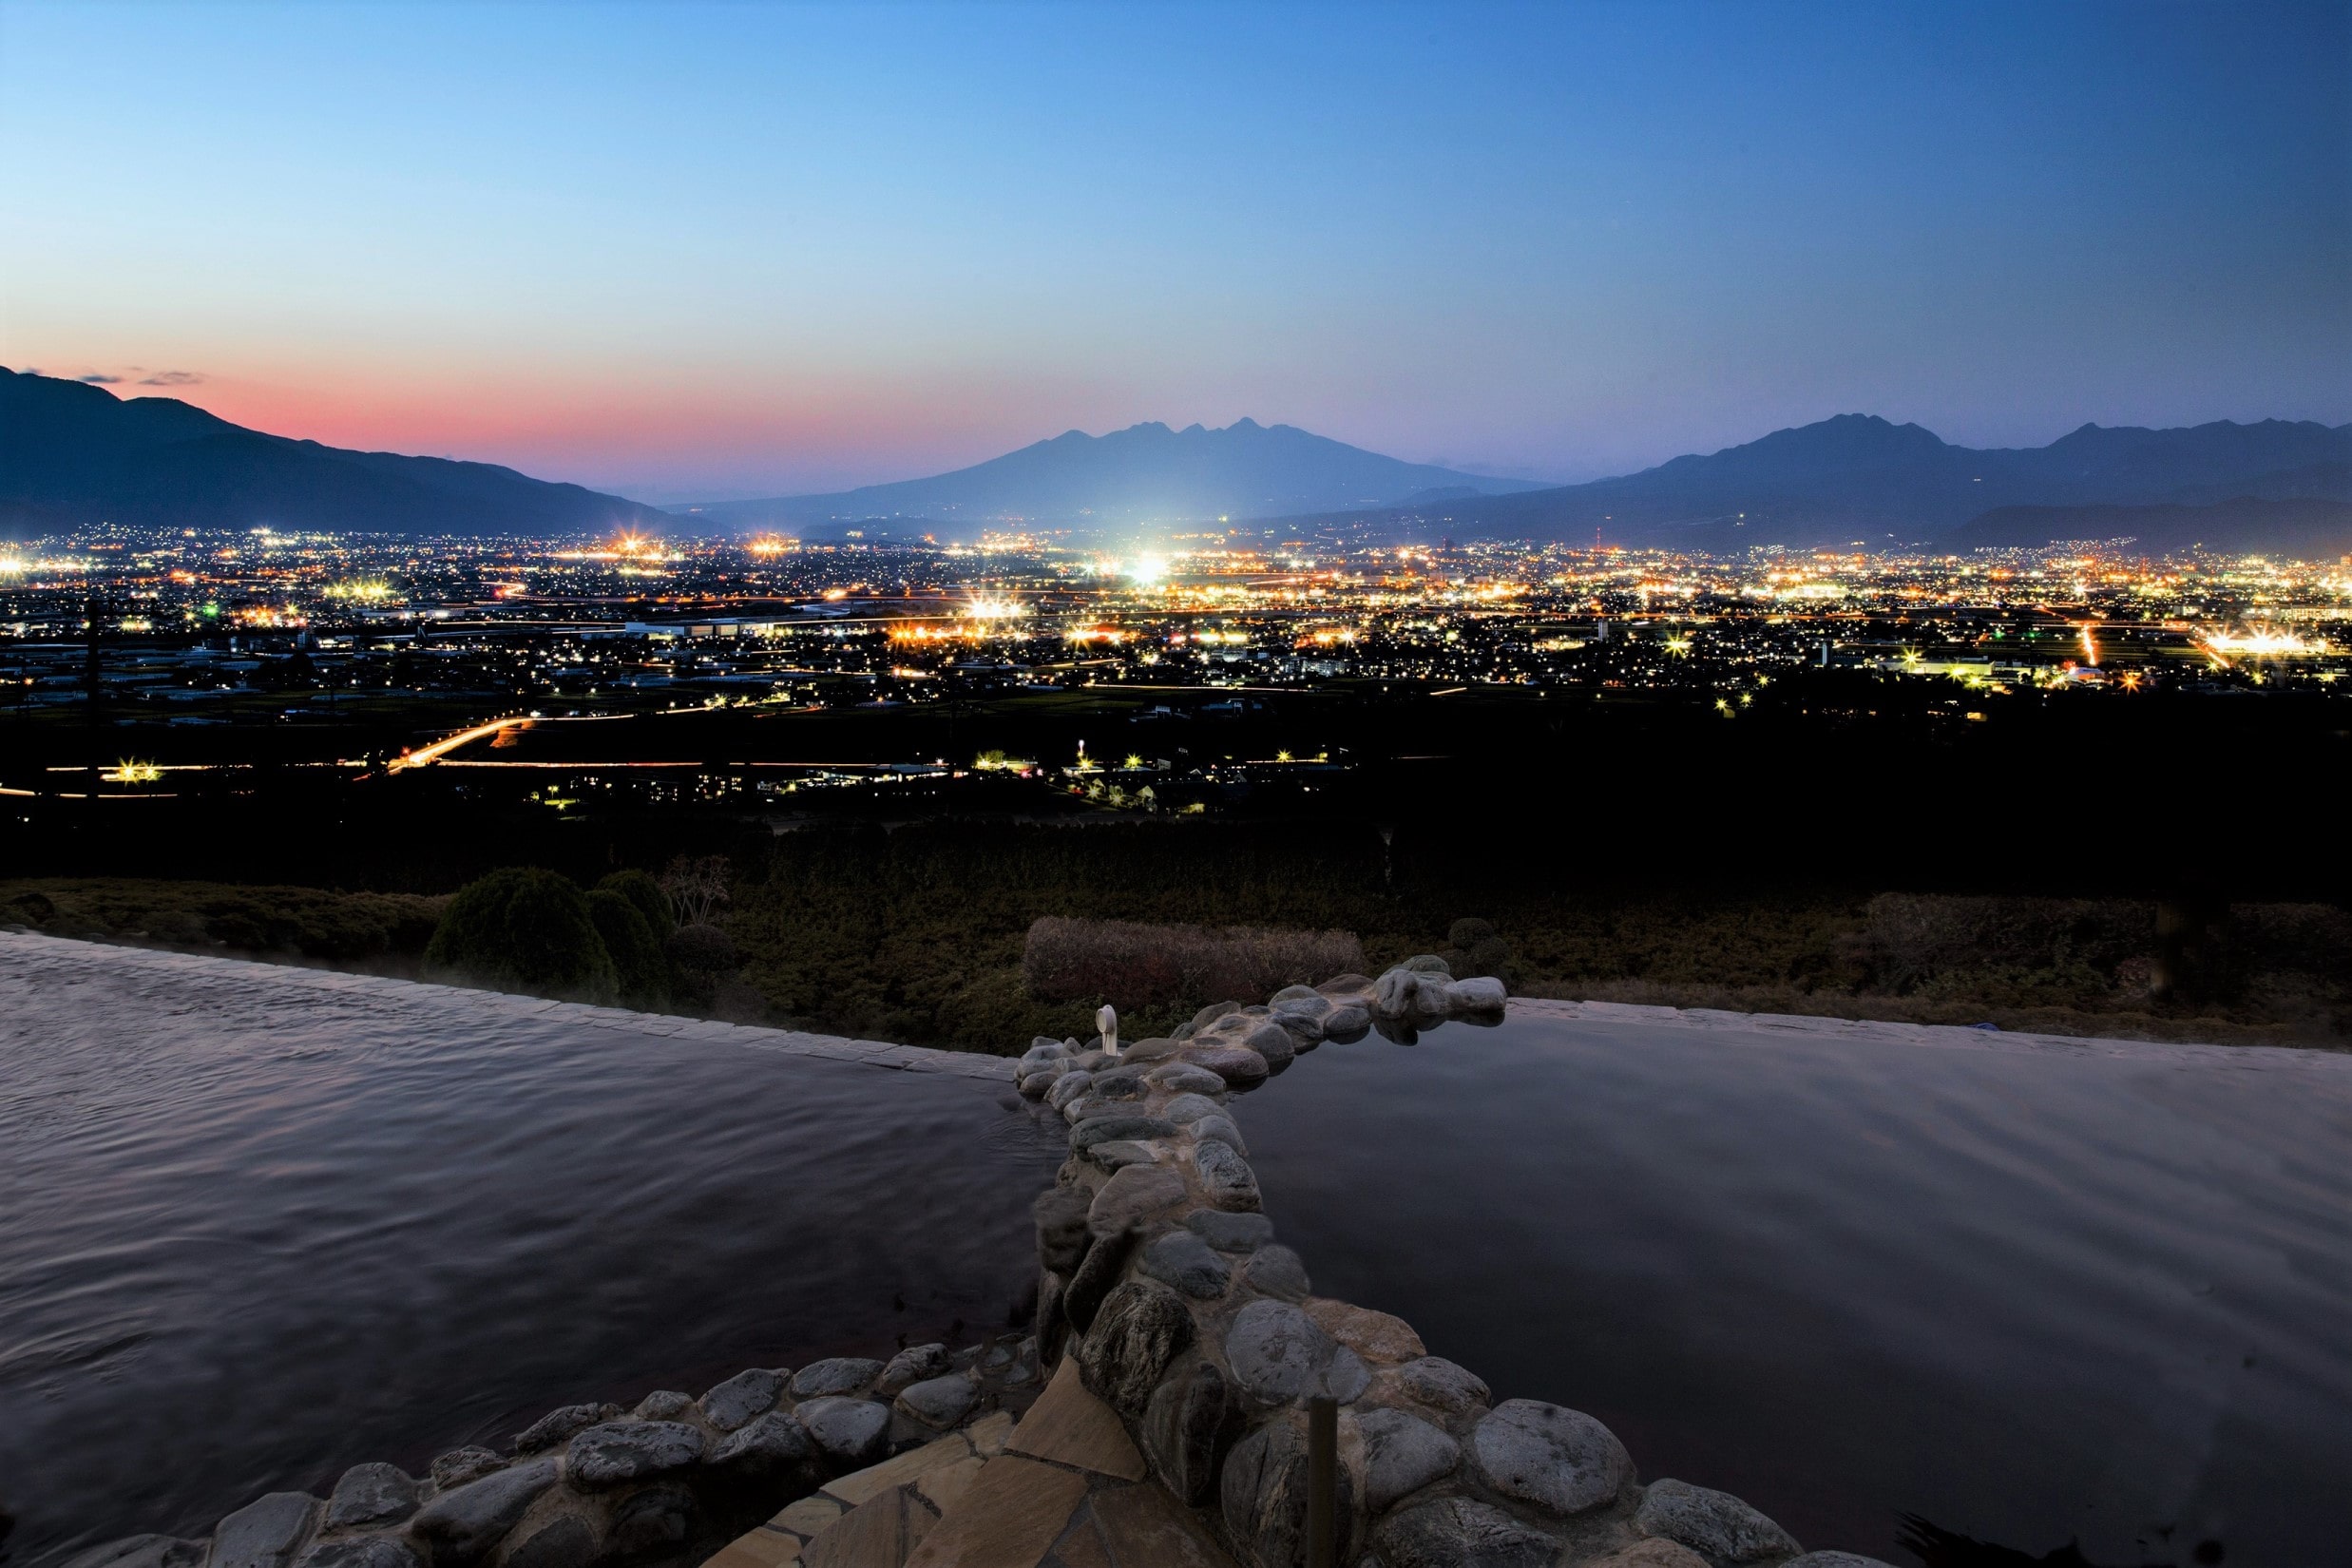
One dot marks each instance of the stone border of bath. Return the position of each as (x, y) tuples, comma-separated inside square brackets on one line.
[(1160, 1277), (871, 1053), (674, 1481)]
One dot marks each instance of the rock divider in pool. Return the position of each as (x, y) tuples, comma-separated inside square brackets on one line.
[(668, 1481), (1160, 1275)]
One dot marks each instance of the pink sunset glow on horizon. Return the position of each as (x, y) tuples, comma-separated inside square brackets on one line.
[(706, 439)]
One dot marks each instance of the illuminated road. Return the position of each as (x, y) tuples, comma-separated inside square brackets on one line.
[(425, 754)]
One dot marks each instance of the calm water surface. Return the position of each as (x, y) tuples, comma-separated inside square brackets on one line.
[(2026, 1297), (251, 1233)]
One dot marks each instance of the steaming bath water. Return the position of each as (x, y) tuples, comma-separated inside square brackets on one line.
[(2028, 1296), (253, 1232)]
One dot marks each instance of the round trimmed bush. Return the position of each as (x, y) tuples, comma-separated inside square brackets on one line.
[(646, 894), (637, 965), (527, 928)]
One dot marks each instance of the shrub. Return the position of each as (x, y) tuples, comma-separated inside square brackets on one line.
[(703, 951), (523, 927), (1136, 966), (651, 902), (637, 965), (1475, 949)]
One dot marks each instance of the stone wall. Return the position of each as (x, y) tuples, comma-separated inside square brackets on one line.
[(1161, 1276), (662, 1485)]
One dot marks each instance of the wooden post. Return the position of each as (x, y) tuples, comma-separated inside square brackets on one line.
[(1322, 1481)]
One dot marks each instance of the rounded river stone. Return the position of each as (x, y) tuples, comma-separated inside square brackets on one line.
[(1460, 1532), (749, 1393), (938, 1402), (1278, 1355), (556, 1425), (1231, 1182), (1140, 1329), (1401, 1454), (1182, 1077), (460, 1465), (616, 1451), (1069, 1087), (838, 1375), (773, 1442), (852, 1432), (1060, 1215), (264, 1533), (1231, 1233), (464, 1525), (1276, 1271), (1560, 1460), (1117, 1154), (1108, 1129), (1192, 1417), (1715, 1524), (1105, 1261), (1444, 1386), (661, 1405), (1273, 1041), (1263, 1495), (1235, 1064), (1182, 1259), (1133, 1193), (373, 1494), (1221, 1128), (918, 1362), (1191, 1106), (1122, 1084)]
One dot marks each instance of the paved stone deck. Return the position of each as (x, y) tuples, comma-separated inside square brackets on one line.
[(1064, 1489), (376, 992)]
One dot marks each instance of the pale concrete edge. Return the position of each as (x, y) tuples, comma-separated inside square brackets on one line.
[(1758, 1026), (872, 1053)]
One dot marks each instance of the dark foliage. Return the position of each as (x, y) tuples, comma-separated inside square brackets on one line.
[(1136, 966), (703, 949), (642, 890), (524, 927), (639, 968)]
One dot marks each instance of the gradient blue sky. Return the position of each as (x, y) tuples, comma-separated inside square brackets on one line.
[(686, 250)]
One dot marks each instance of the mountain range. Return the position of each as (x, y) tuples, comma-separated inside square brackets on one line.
[(1143, 474), (72, 454), (1858, 478)]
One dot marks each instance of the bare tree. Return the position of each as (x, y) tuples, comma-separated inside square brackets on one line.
[(696, 887)]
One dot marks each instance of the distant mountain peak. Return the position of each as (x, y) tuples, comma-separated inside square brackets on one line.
[(71, 453), (1144, 474)]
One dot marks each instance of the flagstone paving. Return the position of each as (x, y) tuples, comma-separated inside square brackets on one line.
[(1064, 1489)]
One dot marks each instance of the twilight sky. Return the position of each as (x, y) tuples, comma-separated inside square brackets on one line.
[(689, 251)]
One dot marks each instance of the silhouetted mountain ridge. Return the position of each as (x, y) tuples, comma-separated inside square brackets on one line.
[(1143, 474), (1858, 477), (72, 454)]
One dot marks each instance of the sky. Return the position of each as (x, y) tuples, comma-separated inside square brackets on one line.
[(692, 251)]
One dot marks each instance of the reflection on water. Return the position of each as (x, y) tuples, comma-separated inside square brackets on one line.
[(253, 1232), (2038, 1298), (1939, 1548)]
